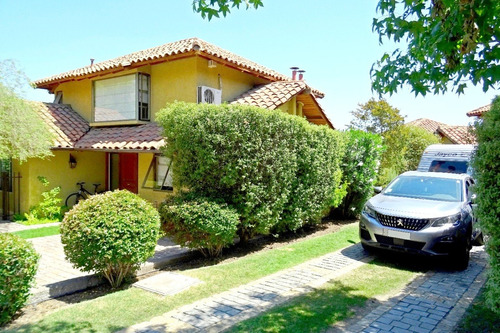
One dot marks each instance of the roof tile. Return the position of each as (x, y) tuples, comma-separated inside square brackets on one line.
[(67, 125), (138, 137), (458, 134), (479, 111), (427, 124), (272, 95)]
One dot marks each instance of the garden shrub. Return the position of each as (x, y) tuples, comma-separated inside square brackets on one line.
[(486, 165), (111, 234), (18, 266), (49, 208), (256, 161), (201, 225), (359, 168)]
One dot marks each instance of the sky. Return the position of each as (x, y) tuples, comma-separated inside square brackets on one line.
[(331, 40)]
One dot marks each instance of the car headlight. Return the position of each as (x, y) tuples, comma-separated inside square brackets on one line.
[(369, 211), (448, 220)]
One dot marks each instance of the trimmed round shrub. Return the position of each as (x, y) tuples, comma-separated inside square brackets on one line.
[(110, 234), (18, 266), (205, 226)]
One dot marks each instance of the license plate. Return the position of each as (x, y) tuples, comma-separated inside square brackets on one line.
[(398, 234)]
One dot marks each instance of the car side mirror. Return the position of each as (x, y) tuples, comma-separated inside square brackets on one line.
[(473, 198), (378, 189)]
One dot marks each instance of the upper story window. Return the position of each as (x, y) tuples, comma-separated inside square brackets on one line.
[(122, 98)]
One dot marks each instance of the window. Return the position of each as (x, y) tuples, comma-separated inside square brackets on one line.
[(159, 176), (122, 98), (6, 171)]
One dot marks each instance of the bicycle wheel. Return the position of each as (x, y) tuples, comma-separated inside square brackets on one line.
[(72, 199)]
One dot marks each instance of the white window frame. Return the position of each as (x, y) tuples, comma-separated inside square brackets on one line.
[(162, 182)]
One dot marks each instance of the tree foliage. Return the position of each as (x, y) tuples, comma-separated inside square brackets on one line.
[(453, 41), (376, 117), (486, 165), (22, 133), (213, 8)]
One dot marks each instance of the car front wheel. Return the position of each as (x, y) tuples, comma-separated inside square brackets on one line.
[(460, 257)]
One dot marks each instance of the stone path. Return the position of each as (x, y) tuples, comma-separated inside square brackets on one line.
[(221, 311), (434, 302), (8, 226)]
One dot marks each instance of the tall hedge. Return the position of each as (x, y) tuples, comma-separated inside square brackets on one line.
[(486, 164), (257, 161), (359, 169)]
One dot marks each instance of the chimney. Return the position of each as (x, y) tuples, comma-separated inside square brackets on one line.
[(301, 74), (294, 73), (91, 62)]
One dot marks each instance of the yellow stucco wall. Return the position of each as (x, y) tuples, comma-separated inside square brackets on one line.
[(289, 107), (90, 169), (232, 81), (170, 81)]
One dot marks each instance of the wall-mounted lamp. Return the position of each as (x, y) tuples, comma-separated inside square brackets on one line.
[(72, 161)]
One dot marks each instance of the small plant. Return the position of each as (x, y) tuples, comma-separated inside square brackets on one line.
[(205, 226), (18, 266), (49, 208), (110, 234)]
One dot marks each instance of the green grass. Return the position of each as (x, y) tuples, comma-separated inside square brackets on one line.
[(479, 318), (39, 232), (125, 308), (36, 221), (335, 301)]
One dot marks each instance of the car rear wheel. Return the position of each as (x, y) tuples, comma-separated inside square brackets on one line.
[(479, 240)]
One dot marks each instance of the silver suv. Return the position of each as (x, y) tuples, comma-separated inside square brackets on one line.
[(423, 212)]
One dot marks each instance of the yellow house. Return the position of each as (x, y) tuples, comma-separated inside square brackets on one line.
[(103, 115)]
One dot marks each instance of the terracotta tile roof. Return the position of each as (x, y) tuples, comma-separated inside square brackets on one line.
[(458, 134), (67, 125), (427, 124), (162, 52), (139, 137), (479, 111), (271, 96)]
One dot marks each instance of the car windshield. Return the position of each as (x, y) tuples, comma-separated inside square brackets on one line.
[(429, 188)]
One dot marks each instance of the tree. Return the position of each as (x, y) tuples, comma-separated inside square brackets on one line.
[(376, 117), (447, 41), (22, 132), (211, 8)]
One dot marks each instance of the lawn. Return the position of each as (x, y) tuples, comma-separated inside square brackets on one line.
[(479, 318), (334, 302), (127, 307), (38, 232)]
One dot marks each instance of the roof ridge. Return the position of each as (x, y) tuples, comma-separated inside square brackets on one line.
[(162, 51)]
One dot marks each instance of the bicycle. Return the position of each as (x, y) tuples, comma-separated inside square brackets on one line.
[(82, 194)]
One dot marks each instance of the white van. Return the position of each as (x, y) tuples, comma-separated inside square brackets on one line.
[(447, 158)]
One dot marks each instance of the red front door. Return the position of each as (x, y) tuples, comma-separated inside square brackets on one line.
[(129, 172), (123, 171)]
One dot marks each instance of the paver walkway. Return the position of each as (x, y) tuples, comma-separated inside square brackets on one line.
[(221, 311), (435, 302)]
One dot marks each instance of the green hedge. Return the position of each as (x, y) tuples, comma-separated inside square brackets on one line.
[(201, 225), (359, 168), (277, 171), (486, 164), (18, 266), (111, 234)]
